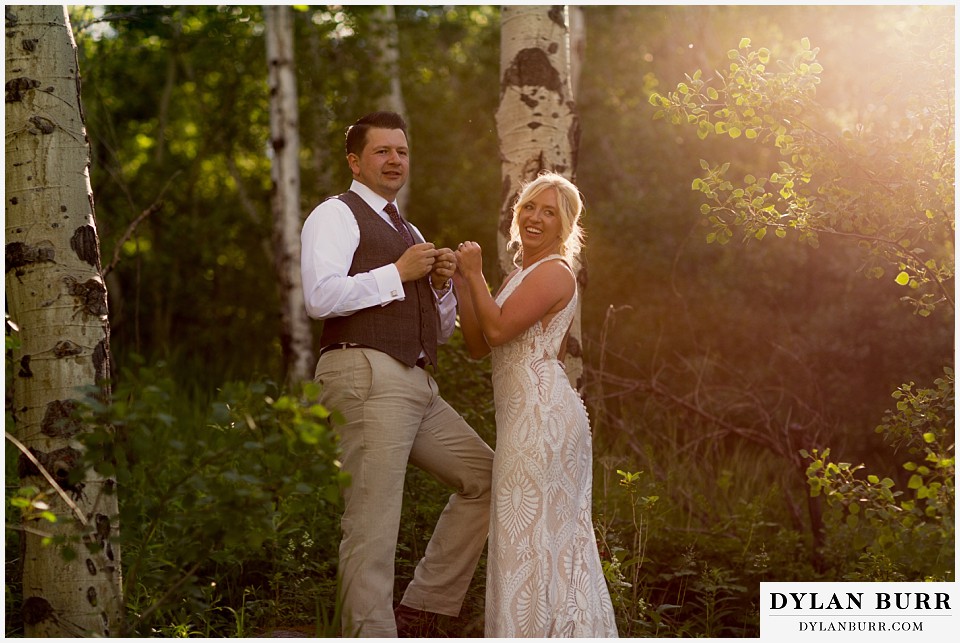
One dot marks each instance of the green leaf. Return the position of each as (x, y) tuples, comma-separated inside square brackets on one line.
[(733, 54), (761, 233), (805, 43), (735, 132), (713, 94), (903, 278), (744, 43), (929, 437), (764, 55), (915, 482)]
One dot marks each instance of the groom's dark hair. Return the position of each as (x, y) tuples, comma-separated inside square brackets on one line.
[(357, 133)]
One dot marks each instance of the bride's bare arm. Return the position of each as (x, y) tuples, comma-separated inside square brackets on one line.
[(477, 345), (543, 292)]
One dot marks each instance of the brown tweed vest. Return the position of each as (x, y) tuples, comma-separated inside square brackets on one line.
[(401, 329)]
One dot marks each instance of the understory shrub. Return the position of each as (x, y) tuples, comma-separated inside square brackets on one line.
[(876, 532), (230, 509), (228, 512)]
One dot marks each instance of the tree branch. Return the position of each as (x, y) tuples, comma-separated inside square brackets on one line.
[(156, 207), (128, 233), (46, 474)]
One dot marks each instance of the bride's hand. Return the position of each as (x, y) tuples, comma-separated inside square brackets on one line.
[(469, 258)]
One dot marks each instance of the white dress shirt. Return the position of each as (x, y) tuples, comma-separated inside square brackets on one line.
[(329, 238)]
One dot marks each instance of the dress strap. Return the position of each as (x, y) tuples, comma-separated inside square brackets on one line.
[(518, 277), (547, 258)]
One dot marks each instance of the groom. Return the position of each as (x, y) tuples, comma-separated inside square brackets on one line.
[(387, 301)]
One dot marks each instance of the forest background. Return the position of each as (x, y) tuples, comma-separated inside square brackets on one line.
[(735, 381)]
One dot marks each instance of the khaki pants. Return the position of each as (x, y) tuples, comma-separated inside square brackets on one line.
[(394, 415)]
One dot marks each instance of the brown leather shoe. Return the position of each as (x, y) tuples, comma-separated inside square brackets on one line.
[(413, 624)]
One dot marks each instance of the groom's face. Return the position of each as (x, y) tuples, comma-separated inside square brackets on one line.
[(384, 162)]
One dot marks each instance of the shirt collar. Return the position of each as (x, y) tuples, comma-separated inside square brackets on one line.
[(371, 198)]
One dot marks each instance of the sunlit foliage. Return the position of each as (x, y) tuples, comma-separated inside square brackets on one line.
[(884, 182)]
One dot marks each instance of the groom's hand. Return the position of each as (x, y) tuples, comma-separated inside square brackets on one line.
[(416, 262), (443, 268)]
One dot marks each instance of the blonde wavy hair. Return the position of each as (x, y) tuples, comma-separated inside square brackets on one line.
[(570, 204)]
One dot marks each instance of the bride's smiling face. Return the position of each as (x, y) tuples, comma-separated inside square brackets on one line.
[(539, 222)]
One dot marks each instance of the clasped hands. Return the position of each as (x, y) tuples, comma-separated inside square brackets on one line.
[(423, 259)]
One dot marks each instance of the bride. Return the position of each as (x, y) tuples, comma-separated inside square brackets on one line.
[(544, 577)]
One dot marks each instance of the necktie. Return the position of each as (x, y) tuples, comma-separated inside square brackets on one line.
[(398, 223)]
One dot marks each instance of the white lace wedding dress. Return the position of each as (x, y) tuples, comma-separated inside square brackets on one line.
[(544, 577)]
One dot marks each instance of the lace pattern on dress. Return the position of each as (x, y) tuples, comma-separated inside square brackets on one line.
[(544, 577)]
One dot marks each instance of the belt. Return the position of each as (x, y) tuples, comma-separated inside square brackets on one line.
[(420, 363), (340, 345)]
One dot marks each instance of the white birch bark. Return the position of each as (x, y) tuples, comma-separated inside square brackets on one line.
[(578, 47), (296, 339), (388, 44), (537, 124), (56, 295)]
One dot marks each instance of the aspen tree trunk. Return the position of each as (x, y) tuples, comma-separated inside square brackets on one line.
[(388, 43), (537, 124), (55, 293), (296, 340), (578, 47)]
